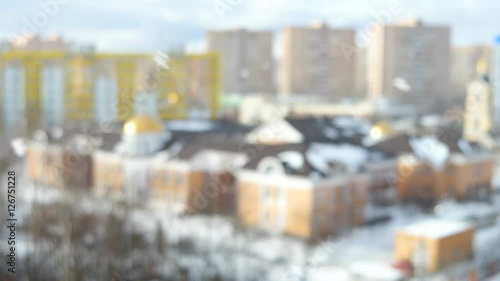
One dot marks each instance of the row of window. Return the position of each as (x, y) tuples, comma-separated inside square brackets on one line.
[(168, 177), (346, 220), (346, 194)]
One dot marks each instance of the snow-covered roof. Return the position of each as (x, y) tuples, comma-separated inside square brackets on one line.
[(294, 159), (436, 228), (218, 161), (277, 131), (190, 125), (337, 129), (352, 123), (429, 148), (319, 155)]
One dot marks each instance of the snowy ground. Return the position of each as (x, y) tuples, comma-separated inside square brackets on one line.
[(252, 255), (241, 253)]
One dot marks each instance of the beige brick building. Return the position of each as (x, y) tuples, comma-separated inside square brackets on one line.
[(433, 244), (410, 62), (318, 60), (246, 60)]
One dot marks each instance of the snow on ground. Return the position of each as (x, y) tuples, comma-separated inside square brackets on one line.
[(250, 253), (494, 278), (375, 271), (330, 273), (484, 238), (254, 252), (242, 253)]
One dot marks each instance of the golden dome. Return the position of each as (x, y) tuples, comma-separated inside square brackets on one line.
[(141, 125), (380, 130)]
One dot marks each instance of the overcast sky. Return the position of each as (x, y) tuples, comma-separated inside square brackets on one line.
[(146, 25)]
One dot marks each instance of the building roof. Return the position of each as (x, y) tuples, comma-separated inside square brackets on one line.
[(394, 145), (109, 140), (321, 156), (317, 158), (99, 136), (282, 153), (430, 149), (192, 127), (436, 228), (325, 129), (188, 148)]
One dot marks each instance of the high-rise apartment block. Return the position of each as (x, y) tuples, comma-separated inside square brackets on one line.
[(246, 60), (410, 62), (495, 77), (318, 60), (53, 84)]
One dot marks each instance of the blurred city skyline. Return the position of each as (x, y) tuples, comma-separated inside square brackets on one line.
[(131, 26)]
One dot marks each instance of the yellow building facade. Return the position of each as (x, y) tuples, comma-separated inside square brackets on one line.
[(461, 178), (301, 207), (433, 244), (38, 83)]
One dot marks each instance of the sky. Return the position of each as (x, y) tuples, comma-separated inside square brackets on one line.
[(148, 25)]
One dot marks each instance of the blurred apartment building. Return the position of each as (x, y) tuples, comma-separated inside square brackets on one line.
[(434, 244), (246, 60), (411, 62), (34, 42), (46, 82), (33, 75), (495, 77), (479, 107), (361, 82), (463, 68), (318, 60)]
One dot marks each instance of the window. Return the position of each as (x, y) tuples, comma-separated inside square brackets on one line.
[(269, 170), (479, 172), (451, 170), (179, 180), (266, 194), (346, 193), (456, 254), (451, 192), (319, 197), (281, 196), (425, 170), (318, 221)]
